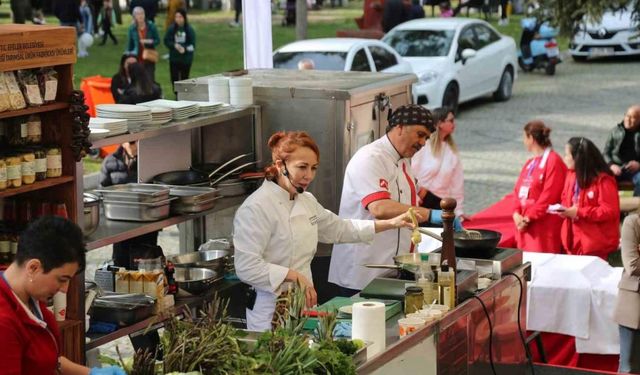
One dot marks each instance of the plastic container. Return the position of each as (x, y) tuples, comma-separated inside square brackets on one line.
[(218, 89), (409, 325)]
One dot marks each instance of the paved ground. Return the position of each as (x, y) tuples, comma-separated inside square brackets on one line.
[(582, 99)]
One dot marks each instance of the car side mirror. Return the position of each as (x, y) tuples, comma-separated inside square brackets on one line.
[(467, 53)]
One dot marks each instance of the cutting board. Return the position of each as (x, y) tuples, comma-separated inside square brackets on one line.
[(384, 288), (391, 308)]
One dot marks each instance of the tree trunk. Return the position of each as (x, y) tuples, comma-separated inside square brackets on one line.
[(301, 19)]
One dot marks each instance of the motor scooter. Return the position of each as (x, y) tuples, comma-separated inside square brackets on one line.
[(538, 46)]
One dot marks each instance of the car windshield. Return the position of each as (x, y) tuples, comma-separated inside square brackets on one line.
[(321, 60), (421, 43)]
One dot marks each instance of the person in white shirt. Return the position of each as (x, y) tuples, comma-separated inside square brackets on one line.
[(278, 227), (379, 184), (437, 166)]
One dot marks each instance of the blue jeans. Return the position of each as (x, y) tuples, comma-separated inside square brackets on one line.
[(633, 177), (629, 350)]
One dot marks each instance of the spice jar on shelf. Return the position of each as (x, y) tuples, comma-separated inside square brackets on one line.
[(34, 129), (54, 162), (28, 167), (40, 163), (14, 171), (3, 173), (17, 132)]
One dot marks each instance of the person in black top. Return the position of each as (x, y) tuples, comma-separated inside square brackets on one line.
[(394, 13), (120, 81), (622, 149), (142, 88)]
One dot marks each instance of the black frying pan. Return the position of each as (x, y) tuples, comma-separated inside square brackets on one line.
[(468, 247), (182, 178)]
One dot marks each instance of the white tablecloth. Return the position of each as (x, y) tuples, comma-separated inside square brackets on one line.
[(575, 296)]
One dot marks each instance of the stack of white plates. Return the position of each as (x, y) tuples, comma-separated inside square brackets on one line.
[(206, 107), (114, 126), (160, 115), (136, 116), (240, 91), (179, 110), (97, 134), (218, 89)]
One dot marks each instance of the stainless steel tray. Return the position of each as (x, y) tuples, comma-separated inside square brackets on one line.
[(178, 208), (191, 195), (132, 211), (142, 193)]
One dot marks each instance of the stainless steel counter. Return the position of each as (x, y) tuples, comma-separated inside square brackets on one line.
[(459, 342)]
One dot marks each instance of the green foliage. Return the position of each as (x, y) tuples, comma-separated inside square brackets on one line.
[(332, 361), (567, 14)]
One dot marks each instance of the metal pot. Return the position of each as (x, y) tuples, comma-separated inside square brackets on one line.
[(195, 280), (212, 259), (91, 213)]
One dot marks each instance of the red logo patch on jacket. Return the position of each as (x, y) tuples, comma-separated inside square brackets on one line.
[(384, 184)]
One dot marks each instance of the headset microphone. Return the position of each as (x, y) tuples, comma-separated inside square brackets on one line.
[(285, 173)]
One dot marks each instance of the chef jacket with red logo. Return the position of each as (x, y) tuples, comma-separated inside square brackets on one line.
[(28, 345), (596, 228), (546, 175), (375, 172)]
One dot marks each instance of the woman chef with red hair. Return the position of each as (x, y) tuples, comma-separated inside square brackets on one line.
[(278, 227)]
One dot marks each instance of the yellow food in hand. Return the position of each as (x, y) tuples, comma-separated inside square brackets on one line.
[(416, 237)]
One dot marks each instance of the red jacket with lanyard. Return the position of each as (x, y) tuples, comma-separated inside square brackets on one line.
[(539, 185), (596, 228), (27, 346)]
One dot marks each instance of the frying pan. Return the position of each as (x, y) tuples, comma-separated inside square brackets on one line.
[(182, 178)]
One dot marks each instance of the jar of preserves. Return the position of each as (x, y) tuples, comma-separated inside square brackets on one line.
[(34, 129), (54, 162), (5, 244), (41, 163), (3, 173), (28, 160), (18, 131), (14, 171), (413, 299)]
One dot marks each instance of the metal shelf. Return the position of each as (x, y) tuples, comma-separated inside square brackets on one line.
[(226, 114), (112, 231), (156, 321)]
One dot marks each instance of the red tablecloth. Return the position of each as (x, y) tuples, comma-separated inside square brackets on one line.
[(560, 350), (497, 217)]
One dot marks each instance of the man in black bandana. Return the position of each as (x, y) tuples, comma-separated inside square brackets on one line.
[(378, 183)]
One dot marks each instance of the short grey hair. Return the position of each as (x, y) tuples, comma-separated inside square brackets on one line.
[(138, 10)]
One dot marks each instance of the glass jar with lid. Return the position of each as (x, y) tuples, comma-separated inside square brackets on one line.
[(413, 299), (3, 173), (54, 161), (40, 163), (14, 171), (34, 129), (28, 167)]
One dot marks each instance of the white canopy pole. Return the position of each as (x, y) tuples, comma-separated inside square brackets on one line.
[(256, 25)]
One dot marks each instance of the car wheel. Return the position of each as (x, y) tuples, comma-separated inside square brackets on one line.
[(579, 58), (450, 97), (505, 88)]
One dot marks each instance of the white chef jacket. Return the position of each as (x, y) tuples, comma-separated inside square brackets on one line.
[(442, 175), (273, 234), (375, 172)]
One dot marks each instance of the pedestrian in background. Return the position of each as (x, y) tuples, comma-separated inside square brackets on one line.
[(85, 29), (67, 12), (238, 7), (142, 87), (142, 40), (20, 10), (622, 149), (106, 20), (120, 81), (172, 8), (416, 10), (627, 312), (180, 39)]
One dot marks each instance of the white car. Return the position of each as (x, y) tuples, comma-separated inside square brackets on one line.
[(456, 60), (348, 54), (615, 35)]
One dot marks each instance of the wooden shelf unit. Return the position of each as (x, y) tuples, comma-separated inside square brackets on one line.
[(33, 47)]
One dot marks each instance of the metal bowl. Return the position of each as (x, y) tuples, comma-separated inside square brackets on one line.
[(212, 259), (195, 280), (91, 213)]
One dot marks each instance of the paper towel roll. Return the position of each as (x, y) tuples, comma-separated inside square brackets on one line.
[(368, 324)]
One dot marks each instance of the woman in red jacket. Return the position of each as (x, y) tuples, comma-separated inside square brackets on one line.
[(50, 253), (539, 185), (591, 207)]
